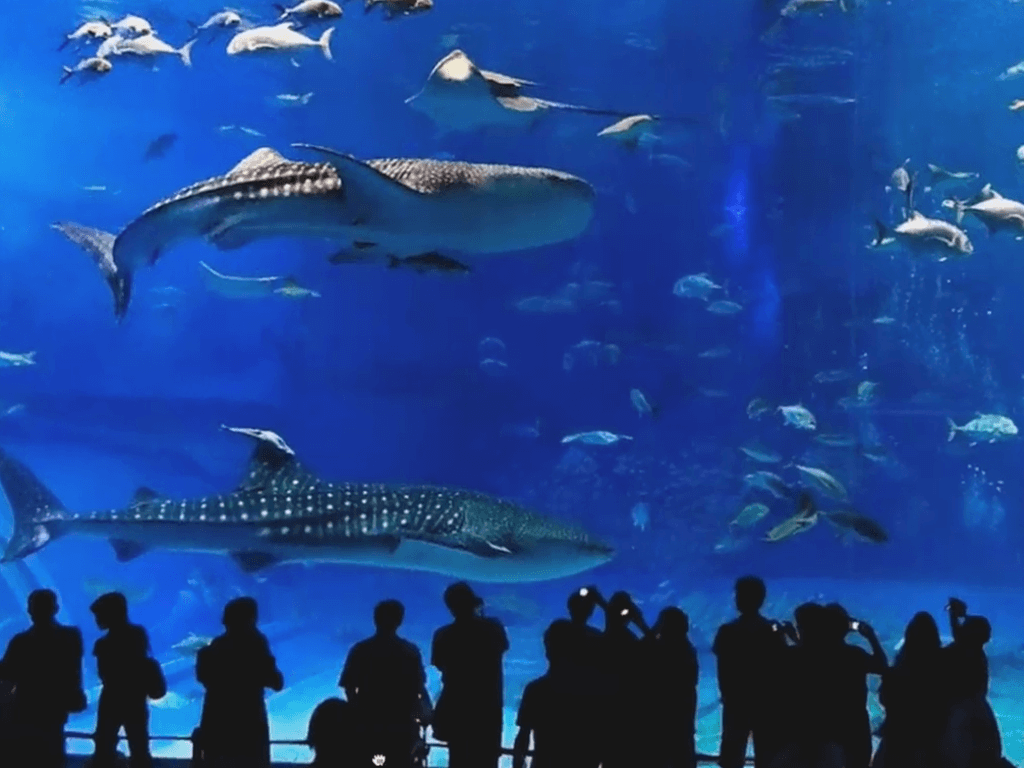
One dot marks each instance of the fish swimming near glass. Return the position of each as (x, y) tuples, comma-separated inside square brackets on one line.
[(283, 512), (383, 208)]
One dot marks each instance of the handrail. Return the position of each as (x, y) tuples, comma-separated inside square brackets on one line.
[(701, 757)]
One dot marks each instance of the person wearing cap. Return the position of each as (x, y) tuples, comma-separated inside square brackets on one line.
[(468, 652)]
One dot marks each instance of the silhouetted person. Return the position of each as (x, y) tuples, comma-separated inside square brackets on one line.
[(671, 662), (44, 664), (912, 693), (627, 742), (330, 734), (235, 669), (586, 641), (565, 721), (468, 652), (851, 667), (385, 683), (972, 738), (121, 659), (813, 731), (749, 650)]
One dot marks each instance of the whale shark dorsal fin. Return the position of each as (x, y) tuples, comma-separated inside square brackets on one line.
[(273, 464), (365, 180), (262, 157)]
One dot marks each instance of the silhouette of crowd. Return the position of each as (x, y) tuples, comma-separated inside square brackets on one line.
[(622, 697)]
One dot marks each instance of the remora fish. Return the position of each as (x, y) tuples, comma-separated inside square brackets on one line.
[(407, 207), (283, 512), (459, 96)]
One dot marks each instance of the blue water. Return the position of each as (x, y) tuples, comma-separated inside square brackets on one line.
[(379, 379)]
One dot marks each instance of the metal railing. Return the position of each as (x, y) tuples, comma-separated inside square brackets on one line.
[(702, 758)]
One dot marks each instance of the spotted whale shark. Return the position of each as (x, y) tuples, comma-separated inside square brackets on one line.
[(283, 512), (380, 208)]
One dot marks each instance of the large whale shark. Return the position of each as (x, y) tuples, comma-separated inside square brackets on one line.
[(282, 512), (380, 208)]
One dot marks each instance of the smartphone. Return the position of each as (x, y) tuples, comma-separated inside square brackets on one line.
[(584, 591), (775, 626), (855, 626)]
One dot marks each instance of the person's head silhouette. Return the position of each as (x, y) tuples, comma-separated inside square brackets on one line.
[(388, 616), (42, 606), (110, 610), (240, 614)]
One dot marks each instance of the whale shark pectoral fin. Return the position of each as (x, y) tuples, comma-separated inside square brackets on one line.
[(126, 551), (251, 562)]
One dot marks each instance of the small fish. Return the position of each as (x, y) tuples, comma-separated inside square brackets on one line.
[(939, 176), (715, 353), (393, 9), (698, 286), (217, 22), (629, 131), (278, 39), (492, 367), (133, 25), (866, 391), (90, 31), (1013, 72), (798, 416), (724, 307), (984, 427), (249, 131), (531, 431), (642, 404), (17, 359), (292, 99), (757, 408), (428, 262), (599, 437), (750, 515), (1016, 105), (87, 69), (884, 320), (191, 644), (824, 481), (770, 482), (310, 10), (997, 213), (759, 453), (146, 49), (862, 528), (790, 527), (94, 188), (835, 440), (159, 146), (921, 235), (729, 544), (291, 289), (15, 410), (830, 377), (641, 516)]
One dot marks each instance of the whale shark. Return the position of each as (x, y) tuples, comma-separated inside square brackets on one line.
[(282, 512), (384, 208)]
